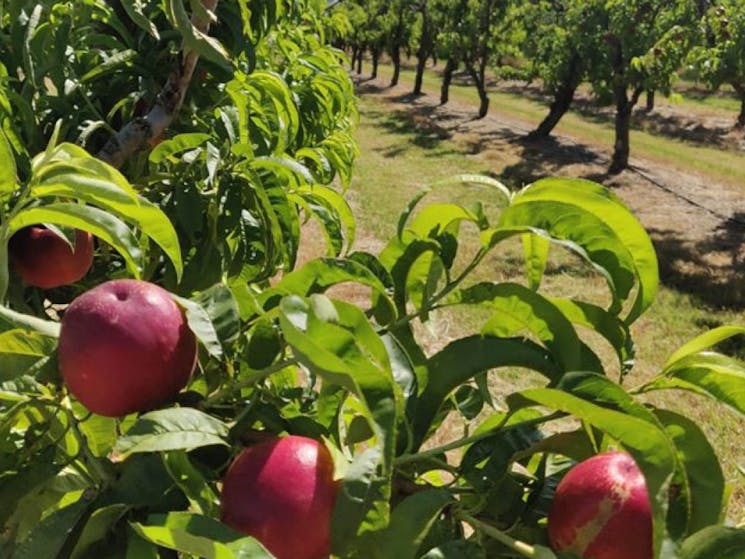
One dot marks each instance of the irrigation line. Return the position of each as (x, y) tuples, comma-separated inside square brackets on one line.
[(692, 202)]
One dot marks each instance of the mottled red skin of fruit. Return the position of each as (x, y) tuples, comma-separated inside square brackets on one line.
[(125, 347), (44, 259), (282, 492), (607, 495)]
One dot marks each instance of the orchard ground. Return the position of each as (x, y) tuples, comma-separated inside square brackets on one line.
[(692, 204)]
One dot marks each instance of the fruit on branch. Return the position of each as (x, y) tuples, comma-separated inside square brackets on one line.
[(282, 492), (602, 511), (44, 259), (125, 346)]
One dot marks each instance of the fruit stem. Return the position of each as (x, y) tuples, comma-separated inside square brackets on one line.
[(253, 378), (524, 549), (431, 304), (408, 458), (93, 464), (43, 327)]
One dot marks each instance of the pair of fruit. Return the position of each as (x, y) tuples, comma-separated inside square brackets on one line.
[(125, 346)]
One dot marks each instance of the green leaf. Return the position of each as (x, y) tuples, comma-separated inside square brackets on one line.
[(536, 249), (703, 474), (97, 527), (199, 535), (517, 309), (710, 374), (17, 485), (503, 193), (139, 548), (340, 206), (83, 178), (411, 521), (23, 342), (13, 319), (134, 9), (21, 349), (608, 325), (715, 542), (191, 481), (180, 143), (399, 258), (100, 433), (221, 306), (206, 46), (363, 496), (704, 341), (8, 170), (590, 220), (49, 536), (201, 324), (171, 429), (437, 218), (320, 274), (98, 222), (464, 358), (335, 340), (111, 64)]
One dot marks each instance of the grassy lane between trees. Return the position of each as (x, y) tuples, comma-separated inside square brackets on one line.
[(724, 167), (392, 168)]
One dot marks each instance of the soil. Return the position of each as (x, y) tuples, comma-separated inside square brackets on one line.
[(696, 224)]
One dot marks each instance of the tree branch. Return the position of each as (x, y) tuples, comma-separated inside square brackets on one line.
[(136, 134)]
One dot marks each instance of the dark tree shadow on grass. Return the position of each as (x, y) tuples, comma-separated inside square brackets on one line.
[(415, 123), (548, 157), (712, 270), (677, 125)]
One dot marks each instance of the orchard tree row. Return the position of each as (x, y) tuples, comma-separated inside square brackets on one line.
[(622, 49), (173, 384)]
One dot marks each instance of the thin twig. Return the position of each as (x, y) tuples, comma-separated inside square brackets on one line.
[(136, 134), (251, 379)]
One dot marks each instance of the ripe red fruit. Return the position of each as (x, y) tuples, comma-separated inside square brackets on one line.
[(282, 492), (124, 347), (44, 259), (602, 511)]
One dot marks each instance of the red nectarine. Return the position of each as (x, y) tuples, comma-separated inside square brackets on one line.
[(602, 511), (44, 259), (282, 492), (125, 346)]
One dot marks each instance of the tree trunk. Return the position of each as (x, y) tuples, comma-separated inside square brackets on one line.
[(480, 79), (622, 146), (484, 106), (650, 100), (447, 77), (397, 39), (359, 60), (740, 90), (375, 60), (355, 49), (563, 97), (425, 47), (396, 58)]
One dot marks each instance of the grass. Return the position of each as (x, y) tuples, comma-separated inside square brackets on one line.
[(724, 166), (397, 161)]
